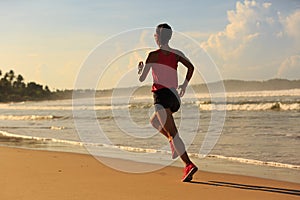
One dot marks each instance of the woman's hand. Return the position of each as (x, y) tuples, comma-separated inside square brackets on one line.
[(140, 67), (181, 90)]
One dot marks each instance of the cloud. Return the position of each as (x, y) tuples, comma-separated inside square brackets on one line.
[(255, 42), (200, 36), (292, 25), (136, 55), (290, 67)]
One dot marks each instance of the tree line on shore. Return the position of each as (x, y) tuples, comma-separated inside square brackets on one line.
[(14, 89)]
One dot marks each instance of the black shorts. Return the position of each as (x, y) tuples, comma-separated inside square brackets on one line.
[(166, 98)]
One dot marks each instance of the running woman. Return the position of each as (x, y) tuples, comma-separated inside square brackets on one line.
[(163, 62)]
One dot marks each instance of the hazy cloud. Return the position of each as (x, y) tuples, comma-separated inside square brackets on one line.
[(290, 67), (292, 25)]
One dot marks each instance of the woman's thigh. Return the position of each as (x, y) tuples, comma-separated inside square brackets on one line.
[(167, 121)]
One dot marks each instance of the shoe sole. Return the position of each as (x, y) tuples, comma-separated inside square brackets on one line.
[(189, 176)]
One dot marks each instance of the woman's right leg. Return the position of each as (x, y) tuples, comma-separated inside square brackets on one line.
[(166, 119), (156, 124)]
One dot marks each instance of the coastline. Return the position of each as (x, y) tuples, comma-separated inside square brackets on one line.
[(211, 163), (30, 174)]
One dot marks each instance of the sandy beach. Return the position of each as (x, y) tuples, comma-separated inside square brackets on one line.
[(43, 175)]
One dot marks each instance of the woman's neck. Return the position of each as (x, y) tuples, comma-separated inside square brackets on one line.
[(164, 47)]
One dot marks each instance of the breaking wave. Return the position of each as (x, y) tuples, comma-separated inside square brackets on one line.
[(250, 106)]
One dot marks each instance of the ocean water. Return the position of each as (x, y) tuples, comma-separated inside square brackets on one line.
[(260, 135)]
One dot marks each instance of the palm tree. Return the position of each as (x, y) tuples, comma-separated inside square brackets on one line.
[(19, 82), (47, 88), (20, 78), (11, 75)]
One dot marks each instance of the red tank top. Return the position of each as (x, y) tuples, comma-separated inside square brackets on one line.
[(164, 71)]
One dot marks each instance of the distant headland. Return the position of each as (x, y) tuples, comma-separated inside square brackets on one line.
[(13, 88)]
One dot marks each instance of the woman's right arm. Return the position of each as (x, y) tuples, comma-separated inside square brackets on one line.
[(149, 61)]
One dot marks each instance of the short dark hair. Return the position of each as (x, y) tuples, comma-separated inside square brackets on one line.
[(164, 32)]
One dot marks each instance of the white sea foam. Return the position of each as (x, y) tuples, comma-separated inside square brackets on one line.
[(256, 162), (145, 150), (138, 150), (11, 135), (57, 128)]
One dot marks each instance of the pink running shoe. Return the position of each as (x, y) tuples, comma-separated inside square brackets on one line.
[(174, 153), (189, 171)]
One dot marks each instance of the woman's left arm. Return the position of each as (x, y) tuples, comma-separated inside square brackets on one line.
[(186, 62)]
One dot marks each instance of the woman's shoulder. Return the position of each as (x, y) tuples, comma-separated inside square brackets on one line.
[(177, 52), (154, 52), (153, 56)]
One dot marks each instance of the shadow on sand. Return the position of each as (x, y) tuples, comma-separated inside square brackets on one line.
[(250, 187)]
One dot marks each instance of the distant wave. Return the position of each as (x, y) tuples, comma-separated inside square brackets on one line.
[(232, 106), (66, 107), (247, 106), (268, 93), (203, 105), (105, 118), (147, 150), (281, 100), (140, 105), (28, 117), (30, 107)]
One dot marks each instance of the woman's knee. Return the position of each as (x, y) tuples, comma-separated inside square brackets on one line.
[(154, 121)]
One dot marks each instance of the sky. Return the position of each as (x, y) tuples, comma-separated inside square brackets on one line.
[(49, 41)]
